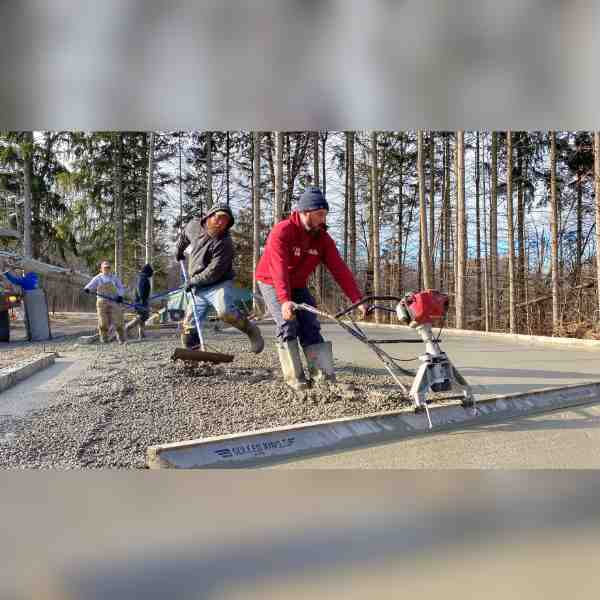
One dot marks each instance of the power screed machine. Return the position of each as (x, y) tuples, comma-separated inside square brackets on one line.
[(420, 311)]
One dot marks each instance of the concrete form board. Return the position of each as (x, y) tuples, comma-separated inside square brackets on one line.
[(12, 375), (261, 448)]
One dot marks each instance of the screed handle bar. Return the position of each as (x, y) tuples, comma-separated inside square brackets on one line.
[(368, 300)]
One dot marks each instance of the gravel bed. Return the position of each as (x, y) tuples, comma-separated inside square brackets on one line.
[(133, 396), (15, 352), (65, 329)]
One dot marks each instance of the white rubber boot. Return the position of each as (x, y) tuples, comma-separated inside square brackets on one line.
[(291, 365), (320, 362)]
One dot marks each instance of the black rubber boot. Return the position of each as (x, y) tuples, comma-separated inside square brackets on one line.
[(190, 339)]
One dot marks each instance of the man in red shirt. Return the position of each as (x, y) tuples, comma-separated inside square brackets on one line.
[(294, 249)]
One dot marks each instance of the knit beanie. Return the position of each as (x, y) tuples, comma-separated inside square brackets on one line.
[(311, 199)]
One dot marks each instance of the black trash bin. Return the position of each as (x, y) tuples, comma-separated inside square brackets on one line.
[(4, 322), (4, 316)]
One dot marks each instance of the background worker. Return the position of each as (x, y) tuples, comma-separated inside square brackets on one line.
[(109, 309), (4, 314), (211, 273), (294, 249), (142, 293)]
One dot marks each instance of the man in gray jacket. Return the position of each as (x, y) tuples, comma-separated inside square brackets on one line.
[(210, 271)]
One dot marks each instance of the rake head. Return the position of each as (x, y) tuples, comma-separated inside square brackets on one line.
[(200, 356)]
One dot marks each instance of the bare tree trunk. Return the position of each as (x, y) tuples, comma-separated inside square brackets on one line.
[(255, 212), (461, 232), (486, 271), (597, 189), (579, 226), (442, 260), (180, 180), (388, 283), (351, 203), (346, 194), (554, 231), (494, 233), (150, 203), (227, 169), (451, 256), (370, 252), (295, 163), (118, 205), (511, 234), (290, 185), (455, 228), (27, 156), (271, 163), (432, 205), (478, 231), (411, 215), (426, 265), (520, 287), (277, 212), (323, 158), (420, 265), (375, 206), (209, 171), (561, 262), (371, 255), (41, 207), (139, 203), (446, 215), (315, 140), (400, 214), (320, 275), (149, 237)]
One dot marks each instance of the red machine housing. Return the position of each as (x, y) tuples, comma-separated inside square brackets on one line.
[(427, 306)]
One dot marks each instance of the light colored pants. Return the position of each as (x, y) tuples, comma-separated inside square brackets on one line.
[(109, 314), (219, 296)]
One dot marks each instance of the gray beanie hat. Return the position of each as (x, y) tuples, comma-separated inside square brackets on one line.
[(311, 199), (217, 208)]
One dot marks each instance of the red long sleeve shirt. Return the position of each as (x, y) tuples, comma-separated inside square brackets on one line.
[(291, 255)]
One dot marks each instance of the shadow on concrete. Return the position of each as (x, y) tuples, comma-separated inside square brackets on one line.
[(529, 373), (507, 389), (538, 379), (585, 419)]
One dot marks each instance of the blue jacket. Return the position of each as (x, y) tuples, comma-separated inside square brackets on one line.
[(142, 292), (28, 282)]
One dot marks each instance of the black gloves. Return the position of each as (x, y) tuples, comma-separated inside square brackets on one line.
[(193, 284), (119, 299), (86, 290), (180, 255)]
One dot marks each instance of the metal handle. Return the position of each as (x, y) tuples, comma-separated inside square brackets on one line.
[(368, 300), (105, 297), (194, 307), (312, 309)]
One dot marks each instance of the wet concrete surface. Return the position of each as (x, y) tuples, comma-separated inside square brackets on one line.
[(562, 439)]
